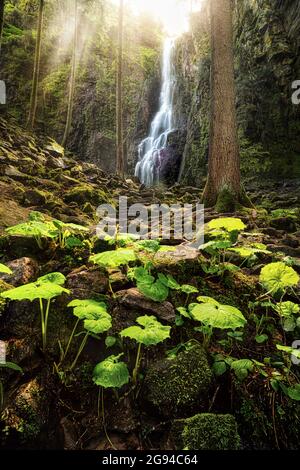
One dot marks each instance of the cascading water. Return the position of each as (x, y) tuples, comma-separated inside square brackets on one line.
[(150, 150)]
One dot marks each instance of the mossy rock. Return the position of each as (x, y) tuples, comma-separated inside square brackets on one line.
[(175, 385), (86, 193), (206, 431)]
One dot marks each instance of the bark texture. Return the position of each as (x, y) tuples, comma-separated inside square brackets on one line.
[(120, 164), (36, 69), (223, 187), (72, 80)]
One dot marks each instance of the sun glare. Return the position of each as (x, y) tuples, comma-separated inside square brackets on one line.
[(173, 14)]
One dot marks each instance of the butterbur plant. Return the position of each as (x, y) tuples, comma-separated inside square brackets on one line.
[(277, 278), (213, 315), (114, 259), (149, 332), (110, 373), (39, 228), (44, 290), (96, 320)]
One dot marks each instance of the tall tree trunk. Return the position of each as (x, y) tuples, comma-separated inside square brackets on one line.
[(223, 186), (2, 5), (119, 101), (72, 81), (36, 68)]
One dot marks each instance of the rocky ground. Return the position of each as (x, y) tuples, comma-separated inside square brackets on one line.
[(179, 400)]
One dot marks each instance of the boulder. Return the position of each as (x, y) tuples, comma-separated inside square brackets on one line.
[(206, 431), (86, 283), (177, 384), (24, 270), (135, 300)]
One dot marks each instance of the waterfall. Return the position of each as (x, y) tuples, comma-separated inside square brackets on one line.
[(150, 150)]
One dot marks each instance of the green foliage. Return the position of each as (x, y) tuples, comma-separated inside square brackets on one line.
[(111, 373), (113, 259), (4, 269), (230, 224), (242, 368), (150, 332), (45, 288), (39, 228), (247, 251), (218, 316), (277, 277), (94, 314)]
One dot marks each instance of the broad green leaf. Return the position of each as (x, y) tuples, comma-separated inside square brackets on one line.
[(276, 277), (152, 246), (247, 251), (287, 309), (294, 392), (242, 367), (184, 312), (230, 224), (218, 316), (150, 331), (188, 289), (207, 300), (219, 368), (260, 339), (141, 275), (113, 259), (169, 281), (110, 341), (111, 373), (289, 350), (54, 278), (289, 324), (155, 291), (95, 315), (5, 269), (33, 291)]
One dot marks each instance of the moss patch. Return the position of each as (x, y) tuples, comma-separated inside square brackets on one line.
[(207, 431), (175, 384)]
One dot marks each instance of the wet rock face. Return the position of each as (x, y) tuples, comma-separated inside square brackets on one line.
[(174, 385)]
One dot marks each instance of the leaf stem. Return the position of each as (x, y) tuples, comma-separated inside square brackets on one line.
[(137, 363), (81, 347)]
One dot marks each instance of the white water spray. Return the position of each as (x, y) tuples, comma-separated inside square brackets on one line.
[(150, 149)]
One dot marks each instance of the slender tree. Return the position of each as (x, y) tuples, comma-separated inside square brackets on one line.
[(2, 5), (36, 68), (120, 165), (223, 186), (72, 79)]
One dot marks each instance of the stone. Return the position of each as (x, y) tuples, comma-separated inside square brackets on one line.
[(135, 300), (27, 413), (175, 385), (24, 271), (86, 283), (206, 431)]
